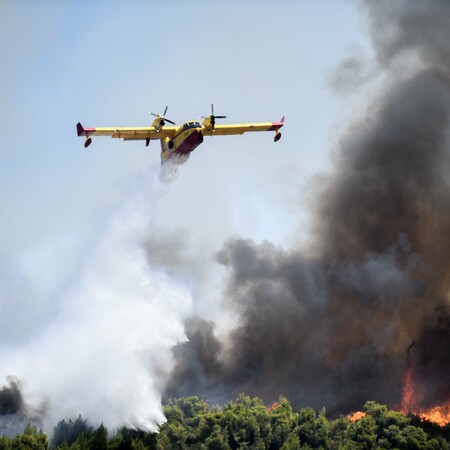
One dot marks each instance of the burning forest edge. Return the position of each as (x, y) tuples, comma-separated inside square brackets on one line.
[(247, 422)]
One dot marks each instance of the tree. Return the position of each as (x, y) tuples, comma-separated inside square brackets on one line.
[(137, 444), (99, 439), (291, 443), (282, 422), (174, 435), (217, 441), (31, 439), (313, 429), (69, 431), (125, 438), (5, 443), (247, 421), (362, 434)]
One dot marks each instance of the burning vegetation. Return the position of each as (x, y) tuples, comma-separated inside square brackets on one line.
[(412, 401), (247, 423)]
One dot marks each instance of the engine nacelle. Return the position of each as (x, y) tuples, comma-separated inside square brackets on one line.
[(158, 123), (277, 136), (87, 142)]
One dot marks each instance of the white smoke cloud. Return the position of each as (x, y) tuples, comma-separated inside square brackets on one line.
[(103, 345)]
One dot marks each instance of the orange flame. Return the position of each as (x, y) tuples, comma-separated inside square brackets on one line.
[(437, 414), (353, 417), (411, 397), (273, 406)]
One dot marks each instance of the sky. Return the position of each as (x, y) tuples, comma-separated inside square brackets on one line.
[(110, 63)]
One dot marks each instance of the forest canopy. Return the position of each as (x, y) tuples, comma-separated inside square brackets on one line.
[(246, 423)]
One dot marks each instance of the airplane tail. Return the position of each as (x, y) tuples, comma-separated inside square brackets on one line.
[(80, 129)]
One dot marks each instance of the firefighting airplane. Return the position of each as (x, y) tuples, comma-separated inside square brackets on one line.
[(178, 141)]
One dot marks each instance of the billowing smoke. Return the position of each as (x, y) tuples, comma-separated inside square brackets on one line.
[(330, 323), (11, 401), (101, 346)]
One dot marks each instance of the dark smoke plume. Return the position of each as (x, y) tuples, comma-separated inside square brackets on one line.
[(11, 400), (14, 413), (331, 324)]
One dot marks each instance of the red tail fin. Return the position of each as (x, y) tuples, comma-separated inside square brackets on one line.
[(80, 129)]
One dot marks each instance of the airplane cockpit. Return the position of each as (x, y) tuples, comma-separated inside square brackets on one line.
[(188, 125)]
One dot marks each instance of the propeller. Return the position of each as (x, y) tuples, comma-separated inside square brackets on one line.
[(162, 117), (213, 117)]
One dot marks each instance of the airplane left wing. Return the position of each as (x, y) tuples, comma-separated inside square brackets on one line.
[(230, 129), (127, 133)]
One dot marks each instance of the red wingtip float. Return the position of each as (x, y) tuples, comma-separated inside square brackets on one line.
[(179, 140)]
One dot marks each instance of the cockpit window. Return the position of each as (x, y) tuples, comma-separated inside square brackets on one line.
[(191, 125)]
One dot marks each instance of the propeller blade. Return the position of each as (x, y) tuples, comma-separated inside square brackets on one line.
[(162, 117), (213, 117)]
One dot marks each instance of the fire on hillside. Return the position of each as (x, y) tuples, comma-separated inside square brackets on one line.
[(411, 398)]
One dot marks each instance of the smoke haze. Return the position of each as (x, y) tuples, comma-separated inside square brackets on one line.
[(330, 323), (107, 351)]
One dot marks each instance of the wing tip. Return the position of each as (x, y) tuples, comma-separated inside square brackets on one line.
[(277, 125)]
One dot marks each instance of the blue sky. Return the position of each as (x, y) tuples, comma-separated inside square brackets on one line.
[(110, 63)]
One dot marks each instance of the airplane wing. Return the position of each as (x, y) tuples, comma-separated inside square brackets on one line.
[(230, 129), (128, 133)]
